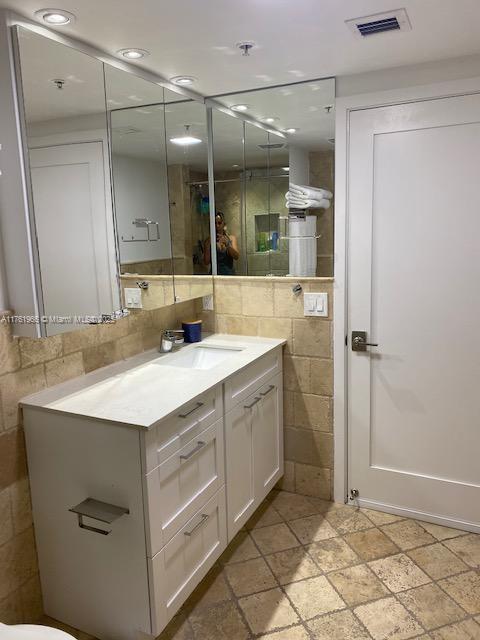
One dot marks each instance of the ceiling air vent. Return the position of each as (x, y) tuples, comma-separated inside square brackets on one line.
[(396, 20)]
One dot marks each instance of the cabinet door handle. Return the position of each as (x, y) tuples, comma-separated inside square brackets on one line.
[(185, 415), (191, 453), (249, 406), (270, 388), (197, 526)]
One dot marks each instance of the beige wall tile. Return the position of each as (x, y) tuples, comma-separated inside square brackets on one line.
[(287, 483), (31, 600), (18, 560), (296, 373), (101, 355), (11, 609), (21, 505), (287, 304), (276, 328), (288, 409), (36, 351), (13, 464), (309, 447), (322, 377), (9, 349), (313, 412), (228, 297), (139, 320), (6, 520), (14, 386), (81, 339), (64, 369), (131, 345), (313, 481), (237, 325), (112, 331), (257, 299), (312, 337)]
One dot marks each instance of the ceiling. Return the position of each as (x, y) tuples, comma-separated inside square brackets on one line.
[(295, 40)]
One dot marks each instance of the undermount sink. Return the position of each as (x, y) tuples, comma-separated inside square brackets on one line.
[(199, 357)]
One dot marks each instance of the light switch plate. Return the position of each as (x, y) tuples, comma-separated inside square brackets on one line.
[(133, 298), (315, 304)]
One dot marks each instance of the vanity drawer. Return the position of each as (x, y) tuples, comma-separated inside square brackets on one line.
[(178, 487), (176, 431), (243, 384), (176, 570)]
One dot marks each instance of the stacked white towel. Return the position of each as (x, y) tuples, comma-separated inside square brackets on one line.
[(305, 197)]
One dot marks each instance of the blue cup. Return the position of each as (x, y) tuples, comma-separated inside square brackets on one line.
[(192, 331)]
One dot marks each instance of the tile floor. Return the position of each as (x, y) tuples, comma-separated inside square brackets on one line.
[(306, 569)]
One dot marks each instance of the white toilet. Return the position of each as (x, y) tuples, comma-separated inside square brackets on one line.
[(31, 632)]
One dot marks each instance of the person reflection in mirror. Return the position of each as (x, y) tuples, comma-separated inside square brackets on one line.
[(227, 248)]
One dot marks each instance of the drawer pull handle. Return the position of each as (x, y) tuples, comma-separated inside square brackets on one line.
[(197, 526), (185, 415), (249, 406), (270, 388), (191, 453)]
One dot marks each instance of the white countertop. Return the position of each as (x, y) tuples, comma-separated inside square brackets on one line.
[(139, 391)]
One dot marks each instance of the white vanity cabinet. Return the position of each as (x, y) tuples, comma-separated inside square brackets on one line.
[(129, 519)]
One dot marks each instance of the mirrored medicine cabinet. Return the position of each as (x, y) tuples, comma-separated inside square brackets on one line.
[(132, 185)]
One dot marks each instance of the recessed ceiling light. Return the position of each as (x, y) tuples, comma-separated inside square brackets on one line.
[(235, 166), (239, 107), (183, 81), (133, 54), (269, 120), (55, 17), (187, 139), (286, 168), (291, 130)]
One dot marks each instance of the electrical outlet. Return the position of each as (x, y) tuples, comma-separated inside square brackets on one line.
[(208, 303), (315, 304), (133, 298)]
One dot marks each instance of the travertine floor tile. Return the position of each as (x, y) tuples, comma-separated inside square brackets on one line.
[(348, 520), (465, 630), (324, 506), (313, 597), (431, 606), (438, 561), (293, 505), (464, 589), (407, 534), (357, 585), (312, 529), (388, 619), (371, 544), (178, 628), (249, 577), (380, 518), (212, 590), (399, 573), (439, 532), (277, 537), (222, 622), (332, 554), (468, 548), (337, 626), (240, 549), (292, 565), (265, 516), (267, 611), (292, 633)]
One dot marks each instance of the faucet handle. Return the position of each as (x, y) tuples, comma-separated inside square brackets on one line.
[(173, 334)]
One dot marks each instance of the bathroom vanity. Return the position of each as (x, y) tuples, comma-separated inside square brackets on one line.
[(143, 471)]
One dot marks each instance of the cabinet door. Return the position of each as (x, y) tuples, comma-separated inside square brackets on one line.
[(268, 438), (240, 468)]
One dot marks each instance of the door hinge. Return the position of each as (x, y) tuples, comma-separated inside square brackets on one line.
[(354, 494)]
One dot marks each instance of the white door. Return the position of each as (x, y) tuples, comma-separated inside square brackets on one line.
[(414, 287), (68, 184)]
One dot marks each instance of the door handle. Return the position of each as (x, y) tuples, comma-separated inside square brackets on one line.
[(359, 341)]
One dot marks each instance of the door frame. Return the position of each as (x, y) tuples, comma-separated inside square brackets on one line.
[(344, 106)]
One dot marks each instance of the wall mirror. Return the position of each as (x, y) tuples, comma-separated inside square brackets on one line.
[(267, 143), (140, 185), (70, 193), (187, 160)]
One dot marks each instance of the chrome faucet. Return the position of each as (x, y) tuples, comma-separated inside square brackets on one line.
[(170, 339)]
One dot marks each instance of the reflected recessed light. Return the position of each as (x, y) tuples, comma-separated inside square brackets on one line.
[(55, 17), (235, 166), (286, 168), (270, 120), (187, 139), (291, 130), (133, 54), (183, 81), (239, 107)]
